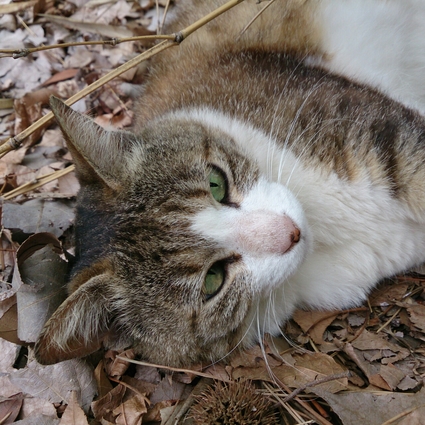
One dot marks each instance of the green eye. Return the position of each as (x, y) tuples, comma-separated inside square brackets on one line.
[(214, 279), (217, 185)]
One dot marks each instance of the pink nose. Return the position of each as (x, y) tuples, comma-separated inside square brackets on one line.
[(265, 232)]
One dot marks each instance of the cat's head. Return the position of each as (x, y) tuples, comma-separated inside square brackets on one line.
[(186, 247)]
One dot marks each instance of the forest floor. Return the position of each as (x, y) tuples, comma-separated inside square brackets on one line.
[(365, 365)]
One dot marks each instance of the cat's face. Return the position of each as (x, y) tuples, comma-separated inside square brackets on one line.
[(199, 244)]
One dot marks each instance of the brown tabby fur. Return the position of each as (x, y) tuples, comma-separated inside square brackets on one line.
[(138, 279)]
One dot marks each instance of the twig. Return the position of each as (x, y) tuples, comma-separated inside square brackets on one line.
[(329, 378), (164, 15), (39, 181), (400, 415), (388, 321), (181, 409), (319, 419), (255, 17), (15, 142), (173, 369), (130, 387), (19, 53), (302, 404)]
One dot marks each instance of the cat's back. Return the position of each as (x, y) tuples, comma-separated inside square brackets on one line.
[(373, 42)]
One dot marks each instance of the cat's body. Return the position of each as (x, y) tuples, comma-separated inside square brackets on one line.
[(290, 186)]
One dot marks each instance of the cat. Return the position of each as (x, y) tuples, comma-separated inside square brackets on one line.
[(255, 182)]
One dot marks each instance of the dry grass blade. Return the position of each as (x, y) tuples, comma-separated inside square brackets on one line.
[(256, 17), (28, 187), (18, 53), (402, 414), (316, 382), (174, 369)]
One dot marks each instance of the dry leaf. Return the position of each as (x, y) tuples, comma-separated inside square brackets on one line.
[(116, 365), (74, 414), (10, 408), (38, 420), (39, 215), (417, 316), (56, 381), (43, 272), (368, 407), (9, 325), (314, 322), (131, 411), (91, 27), (103, 383), (103, 408), (9, 352), (414, 418), (38, 406)]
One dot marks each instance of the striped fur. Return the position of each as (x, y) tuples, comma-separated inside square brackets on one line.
[(336, 159)]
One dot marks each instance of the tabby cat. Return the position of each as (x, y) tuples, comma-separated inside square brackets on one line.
[(256, 181)]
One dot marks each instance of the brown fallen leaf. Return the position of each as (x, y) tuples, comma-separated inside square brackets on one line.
[(39, 215), (131, 411), (104, 385), (10, 408), (315, 322), (66, 74), (417, 315), (413, 418), (115, 365), (74, 414), (306, 369), (391, 375), (93, 27), (41, 290), (29, 109), (16, 7), (103, 408), (372, 407), (9, 325), (372, 341), (55, 382)]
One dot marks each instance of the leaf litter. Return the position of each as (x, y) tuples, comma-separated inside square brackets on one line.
[(365, 365)]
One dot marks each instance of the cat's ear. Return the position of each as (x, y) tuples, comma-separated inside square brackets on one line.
[(79, 325), (98, 154)]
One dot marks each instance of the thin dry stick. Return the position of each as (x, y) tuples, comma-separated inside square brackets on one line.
[(19, 53), (182, 409), (293, 412), (256, 17), (388, 321), (39, 181), (161, 25), (329, 378), (173, 369), (319, 418), (131, 387), (15, 142), (406, 412)]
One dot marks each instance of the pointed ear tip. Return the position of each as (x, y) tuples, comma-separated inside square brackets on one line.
[(57, 105)]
